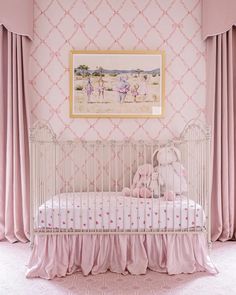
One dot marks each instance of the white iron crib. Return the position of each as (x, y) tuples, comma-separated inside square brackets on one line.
[(76, 186)]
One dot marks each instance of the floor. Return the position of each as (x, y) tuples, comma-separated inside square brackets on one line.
[(13, 258)]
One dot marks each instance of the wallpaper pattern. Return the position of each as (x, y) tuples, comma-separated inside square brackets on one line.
[(170, 25)]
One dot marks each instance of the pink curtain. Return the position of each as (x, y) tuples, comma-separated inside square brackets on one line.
[(221, 115), (14, 150)]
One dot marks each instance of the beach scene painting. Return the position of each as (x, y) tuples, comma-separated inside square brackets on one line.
[(116, 84)]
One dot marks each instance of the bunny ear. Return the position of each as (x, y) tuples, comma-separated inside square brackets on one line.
[(161, 180), (178, 153), (155, 163), (136, 177)]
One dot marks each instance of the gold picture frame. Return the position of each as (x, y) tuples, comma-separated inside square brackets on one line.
[(117, 84)]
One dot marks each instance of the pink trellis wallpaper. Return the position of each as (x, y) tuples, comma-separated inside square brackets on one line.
[(170, 25)]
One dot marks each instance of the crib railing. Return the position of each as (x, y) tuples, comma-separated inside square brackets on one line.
[(76, 186)]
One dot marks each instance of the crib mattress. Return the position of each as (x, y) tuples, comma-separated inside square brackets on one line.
[(112, 211)]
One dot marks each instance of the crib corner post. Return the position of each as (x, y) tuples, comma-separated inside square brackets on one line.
[(209, 245), (31, 191), (209, 182), (32, 236)]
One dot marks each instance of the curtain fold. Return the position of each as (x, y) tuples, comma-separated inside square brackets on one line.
[(221, 115), (14, 149)]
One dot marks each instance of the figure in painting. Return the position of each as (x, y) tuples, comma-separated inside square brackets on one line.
[(89, 89), (143, 89), (134, 91), (101, 88), (123, 88)]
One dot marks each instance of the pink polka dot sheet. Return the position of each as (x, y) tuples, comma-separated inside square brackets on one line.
[(111, 211)]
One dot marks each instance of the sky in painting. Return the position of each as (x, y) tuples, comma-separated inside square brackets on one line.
[(118, 61)]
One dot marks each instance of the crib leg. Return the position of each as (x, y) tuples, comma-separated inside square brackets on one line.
[(32, 241), (209, 245)]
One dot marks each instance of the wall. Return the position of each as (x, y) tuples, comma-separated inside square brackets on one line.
[(170, 25)]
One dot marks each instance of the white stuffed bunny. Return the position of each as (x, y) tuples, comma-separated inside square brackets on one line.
[(167, 163)]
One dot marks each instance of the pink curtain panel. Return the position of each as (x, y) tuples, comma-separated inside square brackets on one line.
[(16, 27), (221, 81), (218, 20)]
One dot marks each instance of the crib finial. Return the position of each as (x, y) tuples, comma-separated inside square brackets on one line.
[(42, 131), (195, 129)]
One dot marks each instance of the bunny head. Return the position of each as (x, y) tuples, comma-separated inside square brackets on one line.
[(166, 155)]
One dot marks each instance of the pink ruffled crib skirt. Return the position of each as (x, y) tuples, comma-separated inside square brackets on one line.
[(60, 255)]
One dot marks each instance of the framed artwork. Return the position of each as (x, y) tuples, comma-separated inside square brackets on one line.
[(121, 84)]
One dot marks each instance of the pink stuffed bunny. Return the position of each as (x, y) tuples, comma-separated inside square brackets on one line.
[(141, 182)]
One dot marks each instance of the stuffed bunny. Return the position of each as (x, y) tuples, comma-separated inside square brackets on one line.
[(141, 182), (167, 163)]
